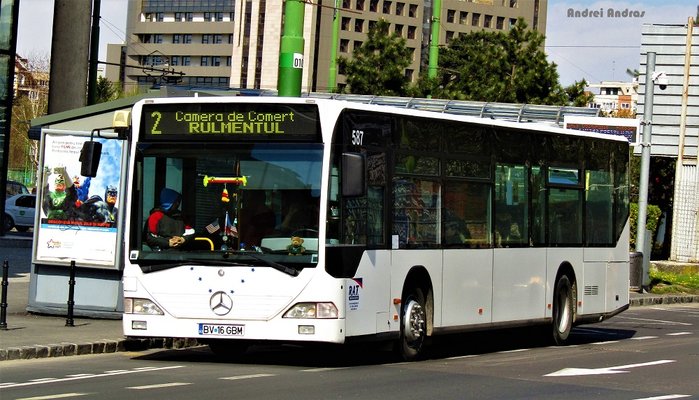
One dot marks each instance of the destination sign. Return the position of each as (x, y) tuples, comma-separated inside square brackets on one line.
[(229, 121)]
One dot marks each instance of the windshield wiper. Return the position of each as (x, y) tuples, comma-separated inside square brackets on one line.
[(159, 265), (167, 264), (275, 265)]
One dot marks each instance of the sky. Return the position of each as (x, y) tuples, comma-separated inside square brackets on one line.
[(594, 48), (602, 48)]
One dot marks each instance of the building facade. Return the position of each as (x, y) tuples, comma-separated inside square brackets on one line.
[(613, 96), (32, 84), (675, 123), (227, 43), (186, 42)]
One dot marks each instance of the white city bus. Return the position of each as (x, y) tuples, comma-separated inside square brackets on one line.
[(406, 224)]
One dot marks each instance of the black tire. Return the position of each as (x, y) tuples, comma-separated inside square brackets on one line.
[(563, 309), (9, 223), (22, 228), (228, 350), (413, 326)]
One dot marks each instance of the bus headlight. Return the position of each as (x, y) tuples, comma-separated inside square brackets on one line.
[(141, 306), (325, 310)]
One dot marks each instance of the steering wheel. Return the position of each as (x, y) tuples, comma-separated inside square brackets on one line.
[(305, 232)]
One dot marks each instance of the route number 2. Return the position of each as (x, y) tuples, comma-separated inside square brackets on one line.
[(156, 116)]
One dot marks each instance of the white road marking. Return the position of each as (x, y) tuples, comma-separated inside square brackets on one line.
[(54, 396), (513, 351), (54, 380), (666, 397), (644, 337), (605, 370), (658, 321), (460, 357), (159, 386), (322, 369), (679, 333), (606, 342), (235, 378)]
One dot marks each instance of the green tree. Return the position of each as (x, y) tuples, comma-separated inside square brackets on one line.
[(23, 157), (106, 90), (502, 67), (378, 66), (577, 95)]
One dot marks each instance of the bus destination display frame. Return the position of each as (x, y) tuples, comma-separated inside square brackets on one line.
[(230, 122)]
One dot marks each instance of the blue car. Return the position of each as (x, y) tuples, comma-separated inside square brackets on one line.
[(19, 212)]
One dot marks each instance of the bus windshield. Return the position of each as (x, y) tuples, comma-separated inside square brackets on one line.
[(242, 203)]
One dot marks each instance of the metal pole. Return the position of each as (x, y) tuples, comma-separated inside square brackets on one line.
[(71, 294), (332, 70), (291, 50), (434, 39), (94, 54), (645, 164), (683, 129), (3, 304)]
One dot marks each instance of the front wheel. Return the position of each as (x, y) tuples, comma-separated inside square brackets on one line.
[(413, 326), (563, 309)]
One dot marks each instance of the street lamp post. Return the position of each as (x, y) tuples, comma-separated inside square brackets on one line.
[(651, 78)]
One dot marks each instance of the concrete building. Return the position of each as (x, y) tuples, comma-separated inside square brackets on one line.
[(187, 42), (32, 84), (613, 96), (229, 43)]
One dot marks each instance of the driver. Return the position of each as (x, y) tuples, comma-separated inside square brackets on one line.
[(165, 228)]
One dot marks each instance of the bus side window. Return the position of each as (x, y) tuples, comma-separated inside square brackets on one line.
[(469, 203), (511, 205)]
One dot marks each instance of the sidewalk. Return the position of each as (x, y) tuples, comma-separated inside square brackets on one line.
[(38, 336)]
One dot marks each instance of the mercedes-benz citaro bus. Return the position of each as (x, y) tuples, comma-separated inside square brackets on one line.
[(299, 220)]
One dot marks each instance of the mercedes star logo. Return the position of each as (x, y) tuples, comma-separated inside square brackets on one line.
[(220, 303)]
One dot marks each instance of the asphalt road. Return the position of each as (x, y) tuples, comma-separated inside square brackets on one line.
[(644, 353)]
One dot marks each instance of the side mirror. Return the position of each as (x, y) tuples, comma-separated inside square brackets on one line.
[(353, 174), (90, 158)]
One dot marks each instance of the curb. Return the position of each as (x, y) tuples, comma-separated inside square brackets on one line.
[(98, 347), (666, 299)]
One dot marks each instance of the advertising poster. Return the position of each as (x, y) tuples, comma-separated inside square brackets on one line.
[(627, 127), (78, 215)]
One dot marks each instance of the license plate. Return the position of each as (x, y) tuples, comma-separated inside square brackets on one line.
[(221, 330)]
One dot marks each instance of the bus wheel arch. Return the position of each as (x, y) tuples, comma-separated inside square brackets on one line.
[(565, 308), (416, 314)]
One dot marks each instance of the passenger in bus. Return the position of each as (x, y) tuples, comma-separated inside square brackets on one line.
[(456, 232), (507, 231), (165, 228), (256, 218)]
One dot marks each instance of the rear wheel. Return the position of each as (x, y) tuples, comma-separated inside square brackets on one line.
[(563, 309), (413, 326), (22, 228)]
